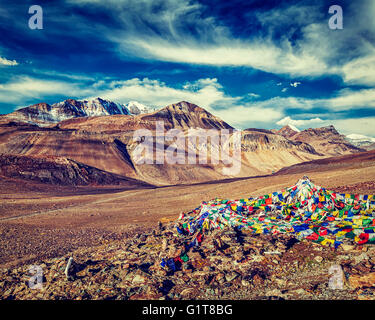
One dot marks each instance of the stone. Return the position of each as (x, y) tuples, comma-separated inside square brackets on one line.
[(257, 280), (220, 277), (301, 292), (231, 276), (258, 258), (138, 279), (362, 281), (274, 293), (238, 255), (363, 256), (318, 259), (164, 245), (280, 282), (344, 258), (245, 283), (347, 247)]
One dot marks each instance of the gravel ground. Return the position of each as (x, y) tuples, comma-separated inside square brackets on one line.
[(224, 267)]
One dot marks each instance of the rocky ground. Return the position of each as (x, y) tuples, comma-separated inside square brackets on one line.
[(228, 264)]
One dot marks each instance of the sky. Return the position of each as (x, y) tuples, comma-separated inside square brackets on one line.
[(255, 64)]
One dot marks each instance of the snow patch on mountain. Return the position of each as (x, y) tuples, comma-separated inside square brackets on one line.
[(138, 108), (360, 140), (91, 108), (43, 114), (294, 128)]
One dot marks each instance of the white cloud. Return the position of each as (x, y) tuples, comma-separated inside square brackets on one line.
[(262, 55), (182, 31), (295, 84), (300, 123), (24, 87), (284, 89), (171, 40), (253, 95), (364, 126), (344, 100), (6, 62), (245, 116), (334, 49), (207, 93), (348, 99), (203, 92), (360, 71), (56, 74)]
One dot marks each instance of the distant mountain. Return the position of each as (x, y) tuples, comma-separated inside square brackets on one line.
[(100, 134), (343, 162), (138, 108), (107, 143), (361, 141), (181, 115), (265, 151), (186, 115), (260, 130), (370, 147), (287, 131), (67, 109), (326, 140)]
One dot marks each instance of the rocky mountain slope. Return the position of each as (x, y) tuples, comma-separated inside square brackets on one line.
[(361, 141), (60, 171), (67, 109), (44, 114), (325, 140), (186, 115), (270, 152), (286, 131), (182, 115), (345, 162), (107, 142)]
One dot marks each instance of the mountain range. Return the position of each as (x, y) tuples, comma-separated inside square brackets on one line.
[(361, 141), (42, 113), (325, 140), (98, 134)]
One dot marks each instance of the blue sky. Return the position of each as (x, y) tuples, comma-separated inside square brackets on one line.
[(253, 63)]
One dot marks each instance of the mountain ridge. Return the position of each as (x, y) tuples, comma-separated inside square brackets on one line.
[(44, 113), (107, 142), (325, 140)]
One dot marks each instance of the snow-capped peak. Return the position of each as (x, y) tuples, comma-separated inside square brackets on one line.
[(101, 107), (360, 140), (136, 107), (293, 128), (360, 137)]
